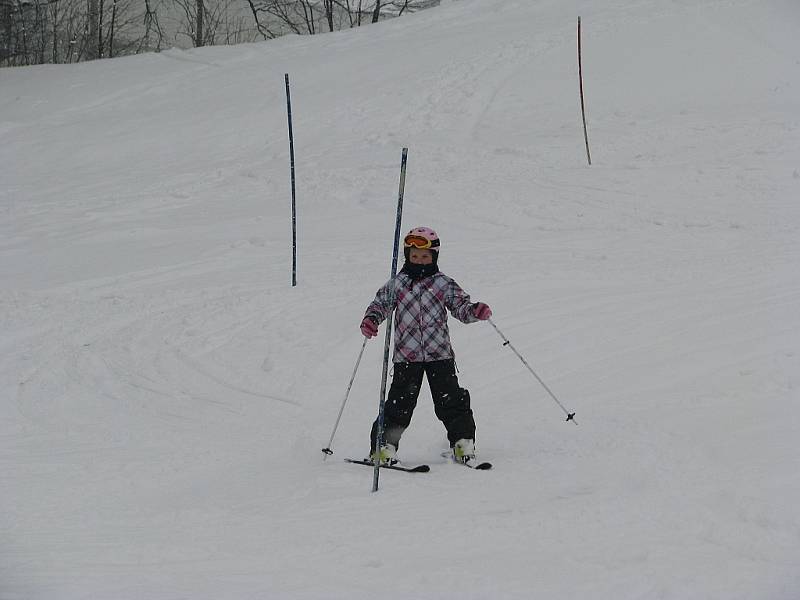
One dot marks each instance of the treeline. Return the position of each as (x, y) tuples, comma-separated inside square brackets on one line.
[(66, 31)]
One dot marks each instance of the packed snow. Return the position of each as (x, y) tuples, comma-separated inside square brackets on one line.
[(166, 391)]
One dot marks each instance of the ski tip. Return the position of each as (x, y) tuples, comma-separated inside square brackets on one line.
[(421, 469), (484, 466)]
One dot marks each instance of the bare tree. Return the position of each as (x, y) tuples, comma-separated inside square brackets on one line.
[(92, 27), (262, 28), (298, 16), (150, 23), (199, 29), (205, 20), (380, 9), (113, 29), (100, 39), (328, 5), (111, 19), (37, 31), (277, 17), (30, 31), (289, 14), (54, 19), (23, 31), (194, 11)]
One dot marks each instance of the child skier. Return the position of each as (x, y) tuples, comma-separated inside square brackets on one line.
[(420, 293)]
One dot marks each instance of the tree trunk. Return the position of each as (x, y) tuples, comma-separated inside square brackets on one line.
[(377, 12), (199, 30), (329, 13), (55, 6), (92, 27), (113, 26), (41, 25), (100, 41), (24, 36)]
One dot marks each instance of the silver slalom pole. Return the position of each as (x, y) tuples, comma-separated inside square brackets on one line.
[(327, 450), (570, 416)]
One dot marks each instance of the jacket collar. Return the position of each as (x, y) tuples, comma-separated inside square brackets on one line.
[(416, 272)]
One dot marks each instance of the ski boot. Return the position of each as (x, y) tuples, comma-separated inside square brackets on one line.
[(464, 451), (385, 456)]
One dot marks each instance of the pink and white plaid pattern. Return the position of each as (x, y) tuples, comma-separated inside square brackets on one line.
[(420, 319)]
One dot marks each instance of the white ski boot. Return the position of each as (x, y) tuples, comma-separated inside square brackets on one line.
[(385, 456), (464, 451)]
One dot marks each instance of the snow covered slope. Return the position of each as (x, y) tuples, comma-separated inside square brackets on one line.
[(165, 392)]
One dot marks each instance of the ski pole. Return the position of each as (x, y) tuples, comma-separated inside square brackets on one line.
[(570, 416), (327, 450)]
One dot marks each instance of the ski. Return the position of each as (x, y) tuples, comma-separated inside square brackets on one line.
[(483, 466), (369, 463)]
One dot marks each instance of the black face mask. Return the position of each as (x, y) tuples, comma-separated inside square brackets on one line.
[(416, 271)]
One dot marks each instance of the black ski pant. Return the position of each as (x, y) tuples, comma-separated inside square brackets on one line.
[(450, 401)]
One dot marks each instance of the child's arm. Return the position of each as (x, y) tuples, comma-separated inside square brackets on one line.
[(384, 302), (459, 305)]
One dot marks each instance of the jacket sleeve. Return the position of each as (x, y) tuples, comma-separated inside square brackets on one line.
[(384, 302), (459, 305)]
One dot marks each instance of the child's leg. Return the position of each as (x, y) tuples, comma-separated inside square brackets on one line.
[(450, 401), (400, 403)]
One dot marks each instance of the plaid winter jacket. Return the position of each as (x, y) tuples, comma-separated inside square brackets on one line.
[(420, 319)]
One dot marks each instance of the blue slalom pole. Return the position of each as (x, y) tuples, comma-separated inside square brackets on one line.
[(385, 375)]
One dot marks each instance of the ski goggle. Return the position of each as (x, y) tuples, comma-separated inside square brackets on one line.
[(421, 242)]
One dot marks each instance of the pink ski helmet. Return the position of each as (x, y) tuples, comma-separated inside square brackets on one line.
[(423, 238)]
